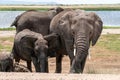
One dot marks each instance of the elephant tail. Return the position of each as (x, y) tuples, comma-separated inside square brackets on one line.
[(14, 23)]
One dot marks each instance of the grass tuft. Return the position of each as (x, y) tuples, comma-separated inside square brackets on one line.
[(6, 43), (7, 29), (110, 41)]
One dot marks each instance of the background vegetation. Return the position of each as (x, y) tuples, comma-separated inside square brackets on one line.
[(110, 41), (13, 28), (46, 7)]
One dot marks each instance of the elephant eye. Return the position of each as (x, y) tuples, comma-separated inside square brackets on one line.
[(46, 43), (73, 33), (61, 22), (74, 21), (36, 43)]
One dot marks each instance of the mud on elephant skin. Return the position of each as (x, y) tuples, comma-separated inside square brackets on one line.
[(32, 46), (7, 64), (20, 68), (77, 29)]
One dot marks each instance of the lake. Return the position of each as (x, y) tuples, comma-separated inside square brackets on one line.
[(109, 18)]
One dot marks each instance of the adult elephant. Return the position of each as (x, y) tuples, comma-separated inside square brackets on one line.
[(35, 20), (32, 46), (77, 29)]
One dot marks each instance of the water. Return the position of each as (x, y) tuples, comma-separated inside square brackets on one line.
[(109, 18), (7, 17)]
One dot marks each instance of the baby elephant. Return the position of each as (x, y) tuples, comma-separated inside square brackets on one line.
[(6, 62), (7, 65), (32, 46)]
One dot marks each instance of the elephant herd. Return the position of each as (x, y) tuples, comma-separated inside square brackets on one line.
[(54, 33)]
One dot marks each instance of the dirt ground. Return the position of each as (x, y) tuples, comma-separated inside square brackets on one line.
[(107, 63), (100, 60)]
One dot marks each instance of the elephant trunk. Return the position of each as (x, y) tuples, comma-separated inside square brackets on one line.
[(82, 46), (81, 42), (42, 59)]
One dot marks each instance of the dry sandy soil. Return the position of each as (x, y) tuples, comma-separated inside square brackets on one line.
[(101, 61)]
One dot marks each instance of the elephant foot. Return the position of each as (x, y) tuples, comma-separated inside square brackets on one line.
[(75, 71), (57, 71), (72, 71)]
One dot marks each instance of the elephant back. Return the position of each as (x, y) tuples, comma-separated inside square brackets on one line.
[(35, 21)]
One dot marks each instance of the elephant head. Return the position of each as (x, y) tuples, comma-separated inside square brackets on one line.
[(41, 48), (83, 28), (6, 62)]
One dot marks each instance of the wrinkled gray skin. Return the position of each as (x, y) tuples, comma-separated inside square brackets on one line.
[(6, 62), (32, 46), (77, 29), (35, 20)]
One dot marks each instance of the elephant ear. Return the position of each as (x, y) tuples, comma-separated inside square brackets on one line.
[(50, 36), (29, 39), (57, 9), (97, 29)]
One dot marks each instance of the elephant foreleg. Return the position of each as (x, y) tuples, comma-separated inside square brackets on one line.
[(36, 64), (78, 63), (29, 65), (58, 62), (46, 67), (69, 48)]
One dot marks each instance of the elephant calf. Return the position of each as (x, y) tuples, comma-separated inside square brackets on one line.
[(6, 62), (32, 46), (7, 65)]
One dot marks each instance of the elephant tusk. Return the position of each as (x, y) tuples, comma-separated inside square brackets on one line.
[(89, 56), (74, 51)]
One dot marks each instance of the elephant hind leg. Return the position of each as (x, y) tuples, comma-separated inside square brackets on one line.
[(58, 61), (29, 65), (46, 67), (36, 65)]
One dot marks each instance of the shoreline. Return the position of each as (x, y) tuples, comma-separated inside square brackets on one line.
[(46, 7), (104, 32)]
